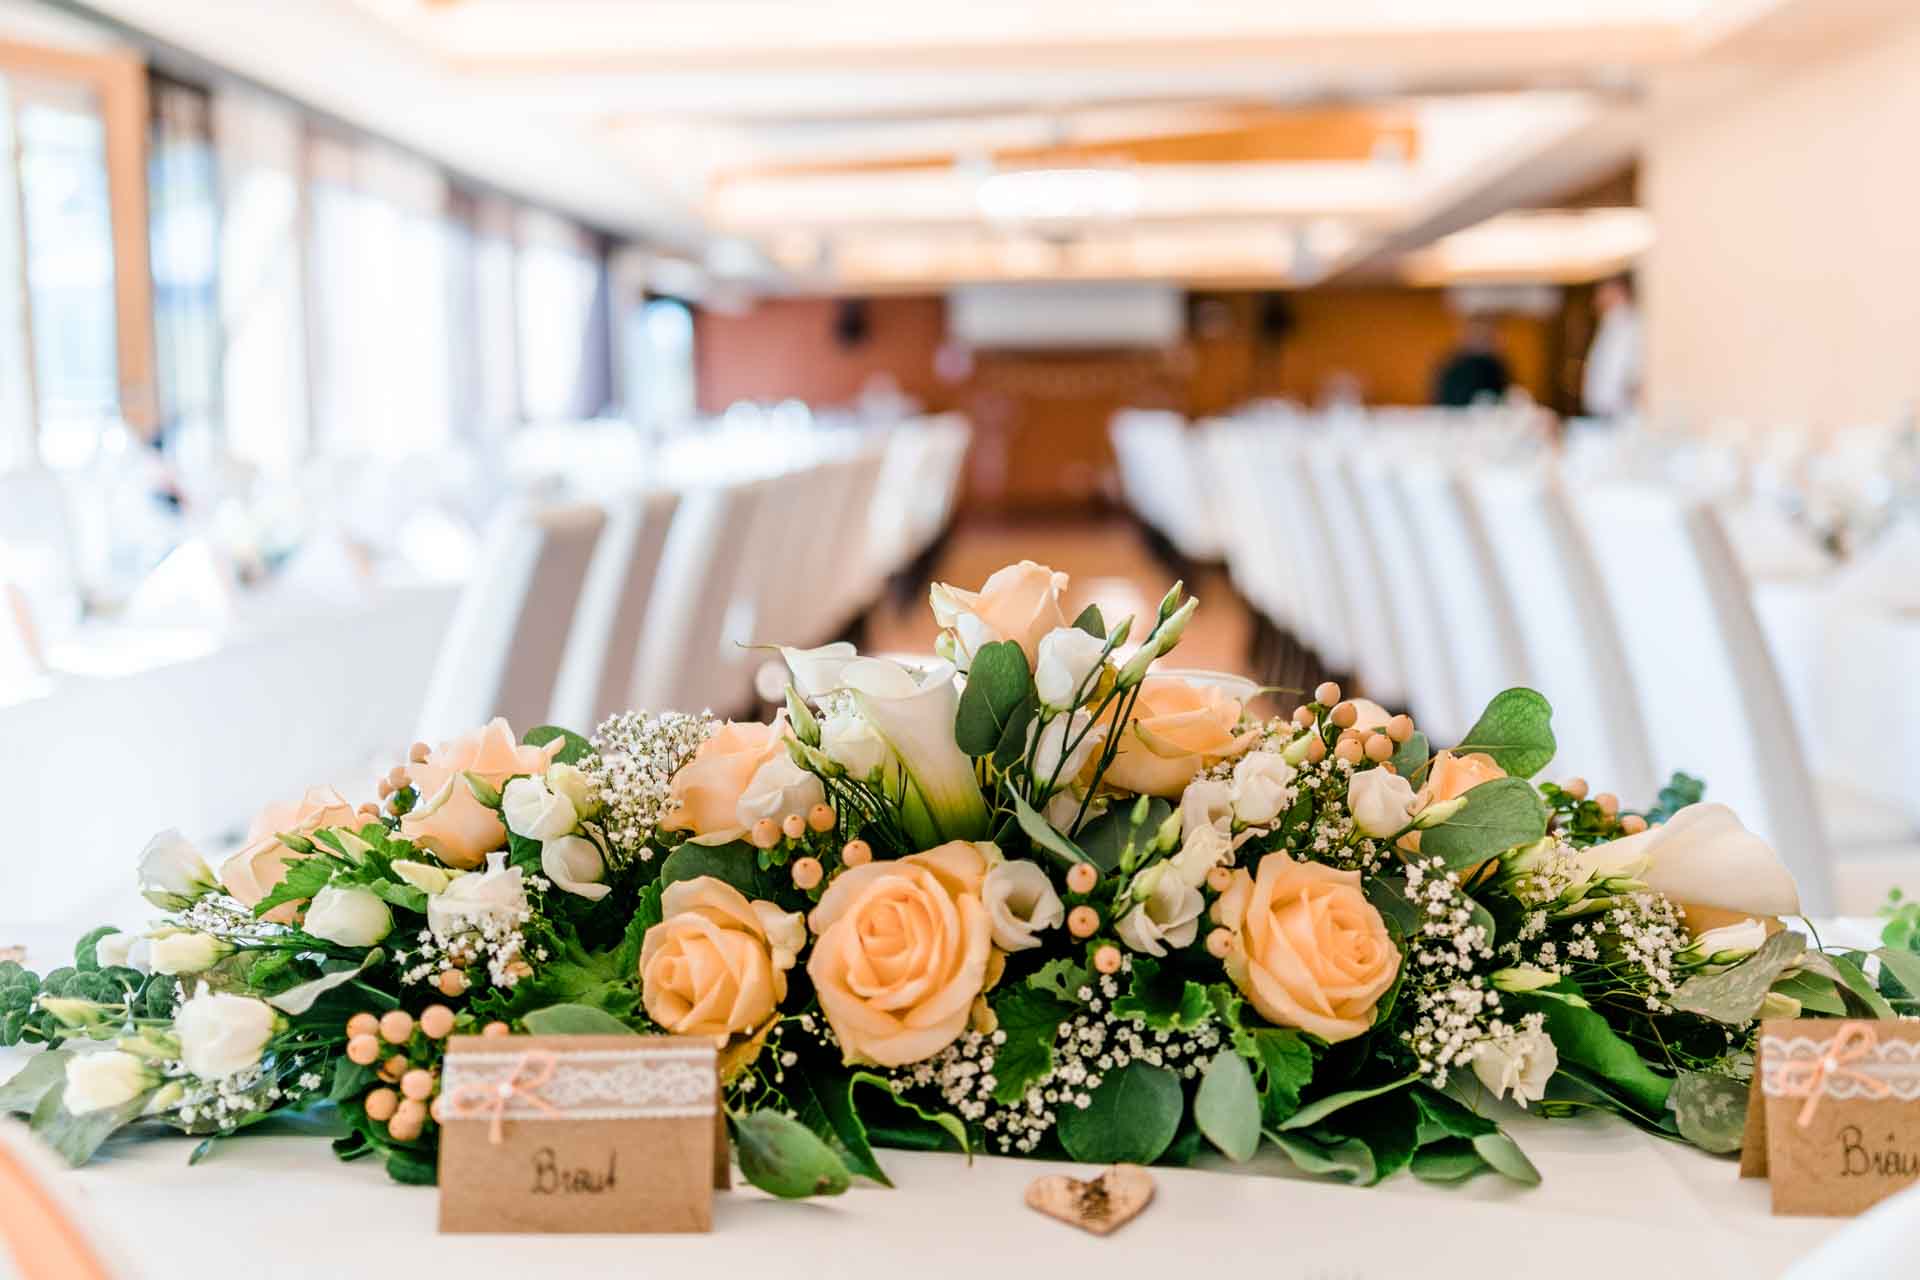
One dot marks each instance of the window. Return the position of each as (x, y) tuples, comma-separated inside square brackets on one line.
[(659, 352), (565, 364), (183, 203)]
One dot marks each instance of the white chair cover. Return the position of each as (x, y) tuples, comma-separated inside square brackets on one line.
[(686, 619), (597, 669)]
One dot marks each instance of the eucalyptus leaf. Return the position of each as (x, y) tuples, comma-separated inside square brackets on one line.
[(574, 1020), (1091, 622), (783, 1157), (1449, 1160), (22, 1093), (297, 1000), (1516, 729), (1226, 1107), (730, 863), (1904, 966), (76, 1138), (1043, 835), (1320, 1108), (948, 1123), (1505, 1155), (1499, 815), (1346, 1158), (1817, 992), (998, 687), (1733, 996), (1711, 1110), (1411, 756), (576, 749), (1131, 1119)]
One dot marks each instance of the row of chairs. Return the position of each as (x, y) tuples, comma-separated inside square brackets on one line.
[(581, 609), (1437, 567)]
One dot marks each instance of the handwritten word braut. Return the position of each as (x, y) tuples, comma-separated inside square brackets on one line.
[(1859, 1159), (550, 1178)]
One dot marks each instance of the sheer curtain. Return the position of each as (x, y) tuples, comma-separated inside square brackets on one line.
[(183, 211), (565, 349)]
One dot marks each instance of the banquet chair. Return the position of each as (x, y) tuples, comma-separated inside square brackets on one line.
[(503, 649), (1296, 501), (1709, 693), (1470, 602), (775, 565), (860, 581), (603, 644), (706, 550), (1376, 642), (1564, 624)]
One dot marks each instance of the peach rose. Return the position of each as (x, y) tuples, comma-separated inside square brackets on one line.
[(1308, 950), (1448, 778), (706, 791), (1020, 603), (716, 964), (901, 951), (447, 820), (261, 864), (1178, 728)]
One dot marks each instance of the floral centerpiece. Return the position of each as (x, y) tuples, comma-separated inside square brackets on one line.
[(1039, 897)]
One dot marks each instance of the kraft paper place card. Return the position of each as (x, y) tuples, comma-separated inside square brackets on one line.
[(609, 1134), (1833, 1121)]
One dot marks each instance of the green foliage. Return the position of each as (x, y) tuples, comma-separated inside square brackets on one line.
[(1030, 1019), (1044, 837), (76, 1138), (1162, 999), (1131, 1118), (1091, 622), (1411, 756), (1516, 729), (305, 877), (1285, 1062), (1061, 976), (1320, 1109), (18, 987), (1733, 996), (731, 863), (1347, 1159), (1226, 1107), (997, 703), (1584, 1040), (821, 1095), (1122, 836), (21, 1094), (85, 957), (1682, 789), (783, 1157), (1711, 1110), (1499, 815), (949, 1127), (576, 750)]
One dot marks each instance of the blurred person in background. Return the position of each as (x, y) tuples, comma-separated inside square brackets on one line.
[(1474, 370), (1610, 386)]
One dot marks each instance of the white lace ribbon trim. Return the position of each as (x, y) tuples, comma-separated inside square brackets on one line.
[(590, 1084), (1894, 1063)]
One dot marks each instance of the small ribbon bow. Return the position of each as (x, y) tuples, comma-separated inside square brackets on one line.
[(523, 1082), (1807, 1077)]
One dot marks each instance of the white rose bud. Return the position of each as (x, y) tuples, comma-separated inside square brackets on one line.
[(577, 786), (574, 864), (1262, 787), (173, 875), (423, 876), (533, 811), (1068, 656), (223, 1034), (1204, 849), (1523, 978), (1517, 1065), (851, 741), (179, 951), (1051, 747), (97, 1081), (1170, 915), (496, 897), (1020, 902), (1207, 802), (1383, 803), (1727, 945), (779, 788), (349, 916)]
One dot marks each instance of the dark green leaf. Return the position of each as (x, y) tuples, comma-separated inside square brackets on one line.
[(821, 1094), (1107, 838), (1904, 966), (576, 750), (998, 685), (1226, 1107), (84, 957), (1132, 1118), (1346, 1158), (1390, 1126), (1497, 816), (350, 1079), (1443, 1116), (1388, 894), (574, 1020), (1043, 835), (1711, 1110), (1862, 1000), (1516, 729), (1734, 995), (305, 877), (1286, 1067), (1091, 622), (1582, 1036), (1320, 1108), (783, 1157), (1681, 790), (950, 1125), (1448, 1160), (1030, 1020), (1162, 999), (202, 1150), (411, 1168), (400, 894), (1410, 757), (729, 863), (1816, 992)]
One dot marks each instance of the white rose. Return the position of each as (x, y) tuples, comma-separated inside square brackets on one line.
[(535, 812), (1170, 914), (575, 865), (576, 786), (350, 916), (1020, 902), (1204, 849), (1383, 803), (778, 789), (1207, 802), (1727, 945), (1262, 787), (97, 1081), (1068, 656), (222, 1034), (1048, 752), (180, 951), (1518, 1065), (115, 951), (851, 742), (423, 876), (173, 875), (495, 896)]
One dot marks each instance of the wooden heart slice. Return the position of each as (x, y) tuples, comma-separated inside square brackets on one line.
[(1102, 1205)]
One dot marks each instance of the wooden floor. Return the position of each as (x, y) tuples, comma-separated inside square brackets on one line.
[(1110, 564)]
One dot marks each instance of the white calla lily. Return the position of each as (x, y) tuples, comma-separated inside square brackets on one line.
[(1704, 857), (942, 800)]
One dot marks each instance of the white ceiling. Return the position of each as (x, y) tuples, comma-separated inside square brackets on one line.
[(684, 122)]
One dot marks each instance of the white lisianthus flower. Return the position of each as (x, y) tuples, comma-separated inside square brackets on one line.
[(423, 876), (496, 896), (576, 786), (1062, 807), (173, 875), (1207, 802), (532, 810), (1517, 1066), (179, 951), (1068, 656), (1169, 916), (1727, 945), (97, 1081), (1020, 902), (855, 745), (348, 915), (779, 788), (1262, 787), (574, 863), (1383, 803), (223, 1034), (1051, 758), (1205, 848), (115, 951)]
